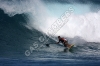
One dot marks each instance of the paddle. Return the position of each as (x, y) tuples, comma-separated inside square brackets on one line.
[(48, 45)]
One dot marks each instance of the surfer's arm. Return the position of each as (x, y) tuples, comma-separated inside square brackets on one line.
[(58, 42)]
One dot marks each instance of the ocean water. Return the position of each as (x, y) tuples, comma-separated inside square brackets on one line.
[(23, 44)]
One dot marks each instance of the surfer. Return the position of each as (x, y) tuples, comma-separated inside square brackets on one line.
[(63, 41)]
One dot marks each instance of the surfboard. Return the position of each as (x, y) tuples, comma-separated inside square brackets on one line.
[(65, 49), (69, 48)]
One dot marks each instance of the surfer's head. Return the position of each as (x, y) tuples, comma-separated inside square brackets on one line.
[(58, 36)]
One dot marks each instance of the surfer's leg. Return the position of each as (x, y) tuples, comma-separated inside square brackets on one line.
[(66, 44)]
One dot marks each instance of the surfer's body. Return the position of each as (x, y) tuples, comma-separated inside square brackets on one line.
[(63, 41)]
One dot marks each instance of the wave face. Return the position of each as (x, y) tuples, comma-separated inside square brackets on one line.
[(14, 36)]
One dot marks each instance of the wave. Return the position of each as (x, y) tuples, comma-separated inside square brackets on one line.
[(15, 37), (23, 25), (42, 15)]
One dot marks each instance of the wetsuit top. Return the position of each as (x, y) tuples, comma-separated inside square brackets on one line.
[(62, 40)]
